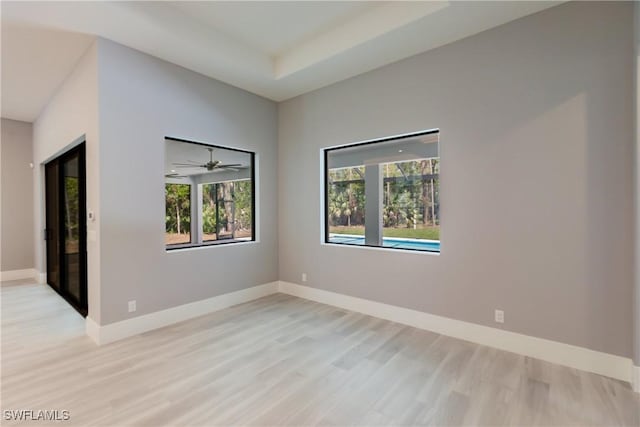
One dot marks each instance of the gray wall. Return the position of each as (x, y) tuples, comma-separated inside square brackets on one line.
[(16, 182), (142, 100), (70, 117), (536, 186)]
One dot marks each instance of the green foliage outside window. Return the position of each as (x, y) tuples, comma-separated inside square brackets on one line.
[(178, 208), (234, 202), (410, 199)]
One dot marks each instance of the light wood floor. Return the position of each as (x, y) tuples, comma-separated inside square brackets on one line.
[(282, 360)]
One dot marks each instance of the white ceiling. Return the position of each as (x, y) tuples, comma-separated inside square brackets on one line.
[(274, 49), (34, 63), (306, 19)]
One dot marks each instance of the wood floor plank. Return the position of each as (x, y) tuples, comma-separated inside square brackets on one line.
[(282, 360)]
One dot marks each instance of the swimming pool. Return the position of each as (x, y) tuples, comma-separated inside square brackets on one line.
[(389, 242)]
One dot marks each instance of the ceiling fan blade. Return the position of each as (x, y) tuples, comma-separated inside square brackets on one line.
[(189, 162), (189, 166), (232, 165)]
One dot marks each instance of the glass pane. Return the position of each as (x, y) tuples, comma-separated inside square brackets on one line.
[(53, 237), (227, 211), (177, 213), (71, 230), (411, 204), (243, 198), (223, 178), (346, 205), (209, 218), (394, 183)]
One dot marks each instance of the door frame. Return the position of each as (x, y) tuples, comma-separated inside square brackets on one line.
[(80, 304)]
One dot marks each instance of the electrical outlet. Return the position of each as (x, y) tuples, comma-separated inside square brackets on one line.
[(304, 277), (132, 306), (499, 316)]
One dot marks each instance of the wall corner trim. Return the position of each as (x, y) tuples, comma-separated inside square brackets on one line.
[(92, 329), (27, 273), (126, 328), (606, 364)]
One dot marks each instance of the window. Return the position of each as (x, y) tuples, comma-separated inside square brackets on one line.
[(178, 213), (209, 194), (384, 193), (226, 210)]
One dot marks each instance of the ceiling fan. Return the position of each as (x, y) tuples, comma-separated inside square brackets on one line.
[(211, 164), (174, 175)]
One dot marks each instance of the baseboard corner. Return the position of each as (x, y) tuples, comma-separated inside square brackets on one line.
[(635, 378), (105, 334), (92, 329)]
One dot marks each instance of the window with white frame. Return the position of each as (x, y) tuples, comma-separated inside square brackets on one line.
[(209, 194)]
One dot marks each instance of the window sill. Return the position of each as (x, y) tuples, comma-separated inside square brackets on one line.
[(382, 248), (208, 245)]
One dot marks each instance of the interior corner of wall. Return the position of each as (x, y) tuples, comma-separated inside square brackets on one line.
[(635, 378), (92, 329)]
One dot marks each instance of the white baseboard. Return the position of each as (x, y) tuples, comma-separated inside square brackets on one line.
[(551, 351), (92, 329), (42, 278), (28, 273), (137, 325)]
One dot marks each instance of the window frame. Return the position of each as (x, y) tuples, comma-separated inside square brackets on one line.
[(210, 243), (325, 189)]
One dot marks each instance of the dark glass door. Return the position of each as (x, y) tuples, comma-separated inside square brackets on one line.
[(66, 227)]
